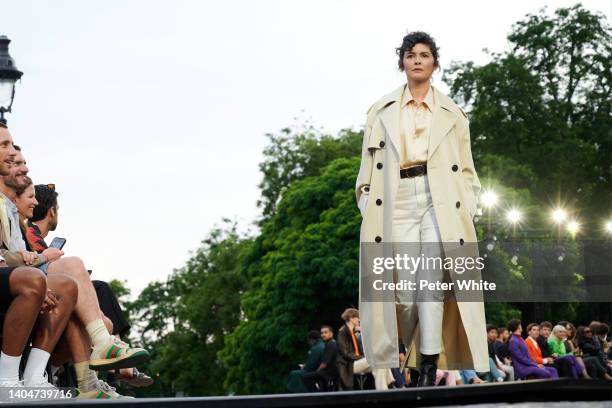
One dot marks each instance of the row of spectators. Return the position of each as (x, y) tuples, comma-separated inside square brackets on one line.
[(547, 351), (53, 313)]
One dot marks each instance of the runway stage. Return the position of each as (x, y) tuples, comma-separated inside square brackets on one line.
[(537, 391)]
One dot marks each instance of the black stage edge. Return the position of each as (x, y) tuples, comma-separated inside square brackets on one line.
[(520, 391)]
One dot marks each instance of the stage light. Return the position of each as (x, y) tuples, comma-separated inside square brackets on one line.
[(573, 227), (608, 227), (489, 199), (559, 215), (513, 215)]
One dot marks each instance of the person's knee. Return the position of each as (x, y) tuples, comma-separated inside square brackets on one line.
[(29, 281), (75, 268), (68, 288)]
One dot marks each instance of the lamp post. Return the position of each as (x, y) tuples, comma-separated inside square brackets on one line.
[(9, 75)]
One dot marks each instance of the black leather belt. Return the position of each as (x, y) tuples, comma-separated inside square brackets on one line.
[(414, 171)]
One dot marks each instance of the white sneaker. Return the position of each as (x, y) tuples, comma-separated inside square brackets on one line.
[(101, 391), (41, 382), (7, 389), (11, 384)]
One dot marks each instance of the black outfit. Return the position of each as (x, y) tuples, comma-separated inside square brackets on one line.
[(501, 350), (594, 358), (110, 307), (322, 376), (563, 367), (5, 290)]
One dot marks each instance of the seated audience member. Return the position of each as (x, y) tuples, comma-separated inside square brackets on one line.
[(592, 355), (27, 204), (600, 334), (470, 377), (351, 359), (44, 218), (533, 332), (313, 360), (108, 352), (399, 374), (564, 367), (524, 366), (570, 332), (498, 370), (445, 377), (501, 345), (317, 380), (25, 295), (556, 342)]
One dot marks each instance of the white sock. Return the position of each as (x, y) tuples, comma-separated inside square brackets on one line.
[(86, 378), (9, 367), (37, 362), (98, 333)]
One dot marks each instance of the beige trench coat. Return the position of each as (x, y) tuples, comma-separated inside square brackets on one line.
[(454, 189)]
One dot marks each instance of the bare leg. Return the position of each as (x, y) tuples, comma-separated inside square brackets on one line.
[(51, 325), (87, 307), (29, 287)]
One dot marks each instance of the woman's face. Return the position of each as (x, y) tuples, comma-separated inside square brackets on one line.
[(534, 332), (419, 63), (588, 333), (26, 202)]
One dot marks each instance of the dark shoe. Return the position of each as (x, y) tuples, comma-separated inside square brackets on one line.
[(429, 366)]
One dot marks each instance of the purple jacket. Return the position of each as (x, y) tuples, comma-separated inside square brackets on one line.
[(521, 360)]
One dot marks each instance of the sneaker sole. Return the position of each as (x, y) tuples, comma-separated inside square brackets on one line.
[(118, 362), (139, 382)]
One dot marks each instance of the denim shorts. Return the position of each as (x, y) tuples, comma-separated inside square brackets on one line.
[(43, 267)]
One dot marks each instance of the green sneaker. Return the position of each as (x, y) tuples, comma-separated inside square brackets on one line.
[(101, 391), (116, 354)]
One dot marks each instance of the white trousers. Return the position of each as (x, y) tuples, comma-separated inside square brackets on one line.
[(382, 376), (415, 225)]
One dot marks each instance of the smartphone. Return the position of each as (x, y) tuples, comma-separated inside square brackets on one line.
[(58, 243)]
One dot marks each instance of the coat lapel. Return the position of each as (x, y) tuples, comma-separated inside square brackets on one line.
[(443, 120)]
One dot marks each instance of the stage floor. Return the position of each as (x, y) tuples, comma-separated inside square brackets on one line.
[(562, 393)]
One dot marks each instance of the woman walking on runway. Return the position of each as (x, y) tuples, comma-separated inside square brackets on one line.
[(417, 185)]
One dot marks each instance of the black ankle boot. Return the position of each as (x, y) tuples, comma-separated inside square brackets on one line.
[(427, 375)]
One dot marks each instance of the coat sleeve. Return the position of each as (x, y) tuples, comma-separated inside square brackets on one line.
[(365, 169), (345, 349), (519, 354), (15, 259), (472, 183)]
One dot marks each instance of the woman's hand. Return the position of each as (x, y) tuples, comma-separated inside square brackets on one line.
[(51, 254), (28, 257), (49, 303)]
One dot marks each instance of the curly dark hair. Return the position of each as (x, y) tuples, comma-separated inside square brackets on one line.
[(412, 39), (47, 198)]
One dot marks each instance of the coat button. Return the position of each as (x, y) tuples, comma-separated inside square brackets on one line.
[(457, 204), (378, 239), (461, 241), (382, 144), (455, 167), (367, 189), (378, 201), (379, 166)]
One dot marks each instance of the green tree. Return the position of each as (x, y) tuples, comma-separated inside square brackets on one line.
[(293, 154), (546, 103), (303, 271), (186, 319)]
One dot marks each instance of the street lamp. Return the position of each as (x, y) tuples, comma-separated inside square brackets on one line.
[(9, 75)]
